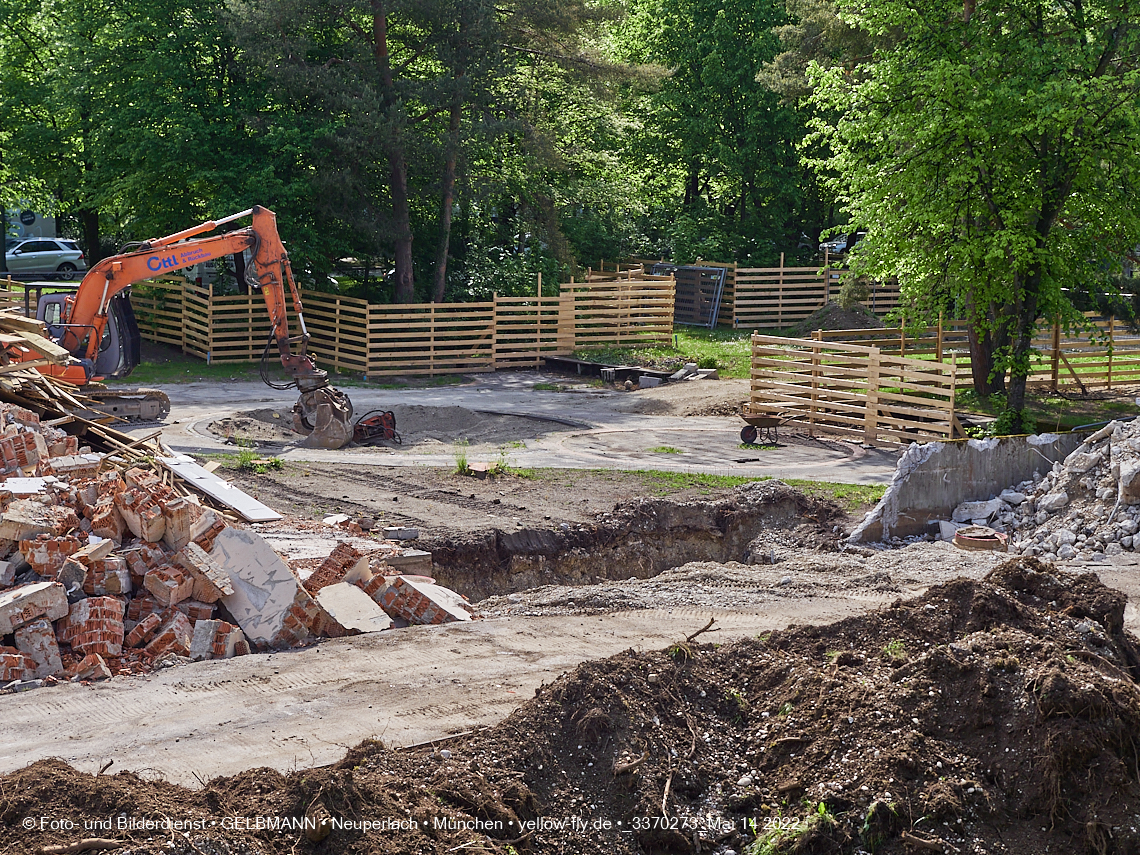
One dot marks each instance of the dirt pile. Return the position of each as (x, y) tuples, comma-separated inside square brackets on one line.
[(985, 716), (832, 316), (639, 538), (416, 425), (1087, 508)]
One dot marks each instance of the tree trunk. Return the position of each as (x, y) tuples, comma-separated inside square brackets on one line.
[(983, 346), (447, 201), (692, 183), (401, 221), (90, 221), (398, 167)]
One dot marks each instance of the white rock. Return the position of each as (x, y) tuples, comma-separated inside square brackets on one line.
[(1012, 497), (745, 781), (1063, 536), (1113, 549), (1052, 502), (1128, 526), (975, 511), (1080, 462), (1041, 518), (1126, 541), (1065, 552)]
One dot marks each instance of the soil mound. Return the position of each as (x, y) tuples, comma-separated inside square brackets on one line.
[(832, 316), (416, 425), (985, 716)]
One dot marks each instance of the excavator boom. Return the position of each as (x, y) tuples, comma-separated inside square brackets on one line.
[(323, 412)]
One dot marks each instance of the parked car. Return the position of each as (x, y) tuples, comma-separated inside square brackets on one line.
[(839, 244), (54, 257)]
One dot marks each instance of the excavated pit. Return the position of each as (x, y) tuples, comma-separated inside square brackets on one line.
[(641, 538)]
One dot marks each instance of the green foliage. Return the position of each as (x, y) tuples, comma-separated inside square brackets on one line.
[(851, 497), (991, 157), (895, 649), (462, 467), (664, 449), (729, 351)]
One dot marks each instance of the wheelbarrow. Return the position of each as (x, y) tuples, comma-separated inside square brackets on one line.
[(764, 427)]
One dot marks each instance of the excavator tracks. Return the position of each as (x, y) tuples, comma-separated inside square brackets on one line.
[(134, 405)]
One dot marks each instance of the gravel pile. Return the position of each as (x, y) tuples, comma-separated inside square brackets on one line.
[(1087, 508)]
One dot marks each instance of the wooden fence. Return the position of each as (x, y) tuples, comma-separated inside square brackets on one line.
[(854, 390), (779, 297), (1105, 355), (351, 335), (775, 298)]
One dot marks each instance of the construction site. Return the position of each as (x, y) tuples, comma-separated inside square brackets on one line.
[(535, 610)]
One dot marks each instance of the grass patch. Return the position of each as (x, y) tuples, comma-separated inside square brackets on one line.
[(462, 467), (664, 449), (667, 482), (546, 387), (851, 497), (729, 351), (180, 368)]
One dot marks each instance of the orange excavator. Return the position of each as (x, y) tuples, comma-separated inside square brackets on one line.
[(97, 326)]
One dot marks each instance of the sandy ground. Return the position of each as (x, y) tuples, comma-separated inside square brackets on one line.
[(306, 707), (583, 427)]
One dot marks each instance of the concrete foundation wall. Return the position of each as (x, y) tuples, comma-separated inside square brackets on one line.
[(935, 477)]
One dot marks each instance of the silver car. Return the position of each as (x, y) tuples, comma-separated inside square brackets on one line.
[(35, 256)]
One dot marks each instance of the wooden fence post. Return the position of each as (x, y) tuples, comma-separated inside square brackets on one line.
[(1056, 352), (938, 343), (1111, 326), (816, 356), (539, 285), (495, 330), (871, 415)]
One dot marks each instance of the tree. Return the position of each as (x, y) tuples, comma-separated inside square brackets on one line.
[(725, 135), (992, 152)]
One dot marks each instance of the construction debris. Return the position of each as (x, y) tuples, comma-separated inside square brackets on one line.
[(112, 560), (1087, 508)]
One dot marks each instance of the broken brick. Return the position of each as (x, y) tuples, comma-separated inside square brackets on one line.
[(211, 582), (47, 553), (423, 603), (195, 610), (142, 631), (26, 518), (92, 667), (206, 529), (173, 636), (169, 585), (24, 604), (336, 567), (94, 625), (179, 515), (214, 639), (141, 606), (14, 665), (36, 640)]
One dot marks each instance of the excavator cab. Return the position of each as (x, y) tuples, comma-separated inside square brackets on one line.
[(120, 349)]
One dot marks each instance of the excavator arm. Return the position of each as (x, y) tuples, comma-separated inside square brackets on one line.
[(323, 412)]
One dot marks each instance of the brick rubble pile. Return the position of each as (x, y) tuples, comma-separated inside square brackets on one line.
[(105, 569), (1086, 508)]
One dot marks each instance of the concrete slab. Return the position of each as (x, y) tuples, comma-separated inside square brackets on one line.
[(353, 609), (264, 587)]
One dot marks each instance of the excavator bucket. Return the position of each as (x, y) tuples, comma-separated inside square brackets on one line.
[(326, 416)]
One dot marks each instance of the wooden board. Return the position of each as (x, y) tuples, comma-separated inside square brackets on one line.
[(216, 488)]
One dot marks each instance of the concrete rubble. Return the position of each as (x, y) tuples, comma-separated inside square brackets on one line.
[(1087, 507), (109, 564)]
